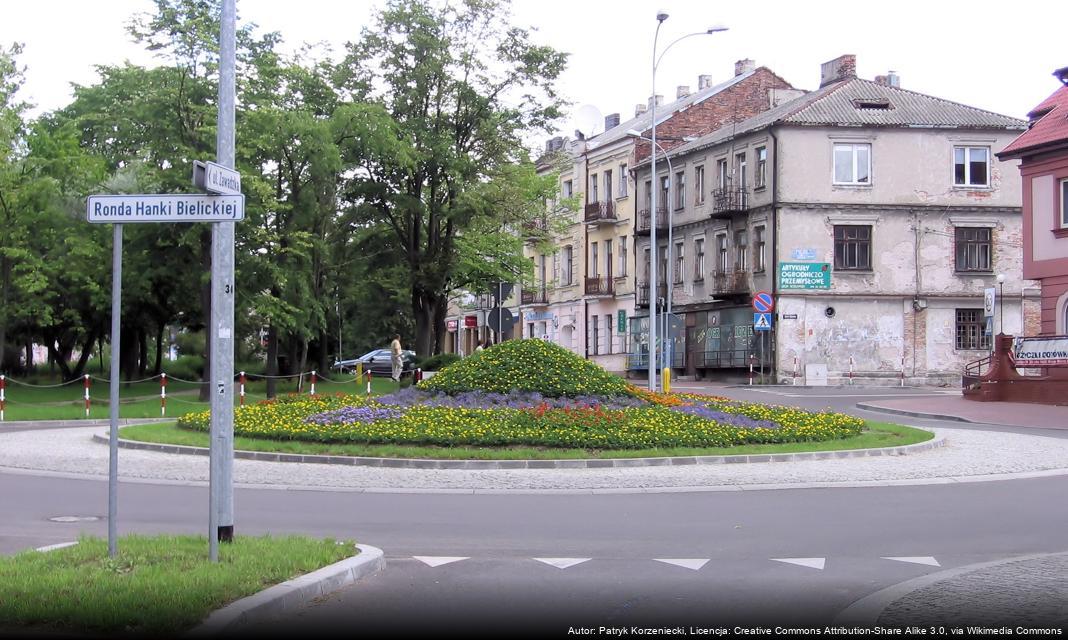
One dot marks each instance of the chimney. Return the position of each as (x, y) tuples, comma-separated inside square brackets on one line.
[(682, 92), (659, 100), (639, 109), (841, 68), (889, 80), (704, 82), (611, 120), (744, 66)]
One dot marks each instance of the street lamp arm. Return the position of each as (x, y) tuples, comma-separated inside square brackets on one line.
[(656, 62)]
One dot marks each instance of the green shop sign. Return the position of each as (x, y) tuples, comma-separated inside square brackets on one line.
[(804, 275)]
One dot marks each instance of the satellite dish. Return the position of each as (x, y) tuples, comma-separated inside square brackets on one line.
[(588, 120)]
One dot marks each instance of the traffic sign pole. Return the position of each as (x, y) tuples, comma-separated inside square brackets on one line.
[(113, 431)]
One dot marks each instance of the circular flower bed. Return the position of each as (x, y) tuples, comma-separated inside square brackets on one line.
[(522, 418)]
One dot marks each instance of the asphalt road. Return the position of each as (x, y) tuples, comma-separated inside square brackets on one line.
[(794, 556)]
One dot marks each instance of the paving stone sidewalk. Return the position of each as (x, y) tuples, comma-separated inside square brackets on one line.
[(949, 407)]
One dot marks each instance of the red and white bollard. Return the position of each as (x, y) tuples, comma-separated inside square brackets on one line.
[(312, 390), (368, 383), (242, 392), (3, 385), (902, 371), (418, 374), (750, 369), (87, 395), (163, 395), (850, 369), (795, 370)]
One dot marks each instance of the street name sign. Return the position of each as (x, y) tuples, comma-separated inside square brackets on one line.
[(215, 178), (164, 207), (804, 275)]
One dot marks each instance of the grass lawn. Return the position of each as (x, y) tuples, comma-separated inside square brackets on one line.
[(156, 585), (876, 434), (141, 400)]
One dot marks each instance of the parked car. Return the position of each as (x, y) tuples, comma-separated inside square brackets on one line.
[(378, 362)]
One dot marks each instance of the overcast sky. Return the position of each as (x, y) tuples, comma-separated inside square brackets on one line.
[(991, 55)]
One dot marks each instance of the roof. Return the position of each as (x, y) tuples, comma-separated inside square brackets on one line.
[(1049, 126), (855, 102)]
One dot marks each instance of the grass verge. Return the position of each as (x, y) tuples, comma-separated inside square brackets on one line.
[(156, 585), (876, 434)]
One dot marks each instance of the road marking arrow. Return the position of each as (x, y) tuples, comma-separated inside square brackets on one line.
[(685, 563), (562, 563), (927, 560), (437, 561), (814, 563)]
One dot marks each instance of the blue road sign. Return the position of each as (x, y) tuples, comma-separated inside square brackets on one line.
[(761, 322), (762, 302)]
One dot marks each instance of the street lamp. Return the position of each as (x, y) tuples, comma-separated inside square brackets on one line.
[(1001, 303), (660, 17)]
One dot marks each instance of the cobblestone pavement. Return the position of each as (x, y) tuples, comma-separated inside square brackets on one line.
[(1030, 592)]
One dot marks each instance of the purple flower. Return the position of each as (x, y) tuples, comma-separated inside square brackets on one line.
[(512, 400), (725, 418), (350, 415)]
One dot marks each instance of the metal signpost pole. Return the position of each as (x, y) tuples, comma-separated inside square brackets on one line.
[(113, 432), (221, 517)]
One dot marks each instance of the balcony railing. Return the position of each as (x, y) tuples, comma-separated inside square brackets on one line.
[(640, 361), (601, 212), (534, 296), (600, 286), (535, 229), (728, 201), (641, 293), (729, 282), (645, 219)]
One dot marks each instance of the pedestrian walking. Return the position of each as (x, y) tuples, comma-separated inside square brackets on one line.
[(396, 358)]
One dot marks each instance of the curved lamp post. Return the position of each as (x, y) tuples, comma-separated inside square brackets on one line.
[(660, 17)]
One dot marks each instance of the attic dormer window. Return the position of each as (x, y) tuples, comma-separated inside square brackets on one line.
[(872, 103)]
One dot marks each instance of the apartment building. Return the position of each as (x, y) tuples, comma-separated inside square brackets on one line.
[(875, 217), (584, 291)]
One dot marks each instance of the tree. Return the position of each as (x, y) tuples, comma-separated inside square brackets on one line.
[(462, 87)]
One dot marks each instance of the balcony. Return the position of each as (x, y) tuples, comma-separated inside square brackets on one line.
[(598, 212), (729, 201), (535, 230), (728, 282), (644, 223), (600, 286), (534, 296), (641, 293)]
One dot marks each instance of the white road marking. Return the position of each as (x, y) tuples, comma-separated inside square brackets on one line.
[(814, 563), (437, 561), (927, 560), (685, 563), (562, 563), (53, 547)]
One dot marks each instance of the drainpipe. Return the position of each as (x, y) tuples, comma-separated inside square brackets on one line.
[(916, 297), (774, 247)]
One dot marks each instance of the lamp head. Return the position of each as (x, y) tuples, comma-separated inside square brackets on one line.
[(1001, 278), (716, 28), (633, 133), (661, 15)]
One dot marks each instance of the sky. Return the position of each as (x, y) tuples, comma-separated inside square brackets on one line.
[(980, 53)]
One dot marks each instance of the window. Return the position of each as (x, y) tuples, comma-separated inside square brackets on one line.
[(608, 184), (622, 180), (699, 260), (760, 246), (648, 195), (721, 259), (568, 255), (852, 164), (852, 247), (971, 166), (593, 188), (974, 249), (741, 251), (971, 334), (596, 338), (678, 263), (568, 189), (1064, 204), (699, 185), (608, 258), (665, 185), (608, 332), (662, 266), (622, 255), (740, 171), (593, 259), (761, 167), (645, 265), (721, 172), (530, 329), (680, 190)]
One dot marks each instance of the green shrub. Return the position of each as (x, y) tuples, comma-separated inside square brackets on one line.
[(439, 362), (527, 365), (185, 367)]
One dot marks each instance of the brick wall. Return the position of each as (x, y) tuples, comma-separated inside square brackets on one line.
[(734, 104)]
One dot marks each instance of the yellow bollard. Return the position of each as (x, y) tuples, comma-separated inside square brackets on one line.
[(667, 379), (359, 372)]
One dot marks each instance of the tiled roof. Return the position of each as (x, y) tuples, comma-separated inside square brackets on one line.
[(1051, 126), (846, 103)]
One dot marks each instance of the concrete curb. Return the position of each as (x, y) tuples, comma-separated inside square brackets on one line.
[(80, 423), (483, 465), (291, 594), (866, 611), (919, 414)]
